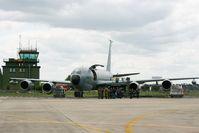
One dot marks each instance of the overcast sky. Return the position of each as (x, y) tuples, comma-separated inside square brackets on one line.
[(153, 37)]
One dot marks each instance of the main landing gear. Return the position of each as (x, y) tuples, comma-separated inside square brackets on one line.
[(79, 94)]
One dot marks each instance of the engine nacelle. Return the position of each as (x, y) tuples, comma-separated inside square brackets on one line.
[(194, 82), (48, 87), (26, 85), (167, 84), (134, 86)]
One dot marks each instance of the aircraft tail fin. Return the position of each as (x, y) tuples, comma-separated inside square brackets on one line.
[(108, 67)]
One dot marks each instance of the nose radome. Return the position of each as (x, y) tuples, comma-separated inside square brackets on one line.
[(75, 79)]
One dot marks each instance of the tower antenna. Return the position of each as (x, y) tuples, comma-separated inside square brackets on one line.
[(36, 44), (20, 42), (19, 49), (29, 45)]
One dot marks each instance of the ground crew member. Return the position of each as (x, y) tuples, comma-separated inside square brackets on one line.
[(107, 92), (100, 92)]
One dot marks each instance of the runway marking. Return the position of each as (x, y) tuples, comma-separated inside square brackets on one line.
[(88, 127), (132, 122), (94, 128), (35, 120), (76, 124), (170, 126), (128, 126)]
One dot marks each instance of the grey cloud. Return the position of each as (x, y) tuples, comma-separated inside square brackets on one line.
[(148, 35), (157, 38), (34, 6), (94, 15), (129, 17)]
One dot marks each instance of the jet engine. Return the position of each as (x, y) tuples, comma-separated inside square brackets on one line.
[(134, 86), (194, 82), (26, 85), (134, 89), (166, 84), (48, 87)]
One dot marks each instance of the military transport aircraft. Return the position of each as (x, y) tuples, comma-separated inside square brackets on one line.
[(88, 78)]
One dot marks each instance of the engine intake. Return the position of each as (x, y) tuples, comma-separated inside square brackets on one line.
[(48, 87), (134, 86), (26, 85), (194, 82), (166, 84)]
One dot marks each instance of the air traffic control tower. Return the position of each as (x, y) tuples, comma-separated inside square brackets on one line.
[(26, 66)]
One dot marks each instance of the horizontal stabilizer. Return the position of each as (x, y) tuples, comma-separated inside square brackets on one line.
[(123, 75)]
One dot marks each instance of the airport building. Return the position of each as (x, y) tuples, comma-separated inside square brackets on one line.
[(25, 66)]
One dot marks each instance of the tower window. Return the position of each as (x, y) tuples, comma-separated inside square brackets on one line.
[(12, 70), (22, 70)]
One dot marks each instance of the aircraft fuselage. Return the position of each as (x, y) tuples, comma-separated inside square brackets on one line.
[(84, 78)]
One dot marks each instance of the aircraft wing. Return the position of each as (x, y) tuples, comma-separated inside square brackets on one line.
[(39, 80), (99, 83), (123, 83), (123, 75), (162, 79)]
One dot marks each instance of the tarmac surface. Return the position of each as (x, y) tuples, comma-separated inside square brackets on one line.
[(144, 115)]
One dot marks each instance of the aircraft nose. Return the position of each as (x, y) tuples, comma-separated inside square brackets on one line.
[(75, 79)]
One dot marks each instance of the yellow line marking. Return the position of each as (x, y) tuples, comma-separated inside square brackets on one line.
[(169, 126), (132, 122), (20, 119), (86, 127), (128, 126), (93, 128)]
